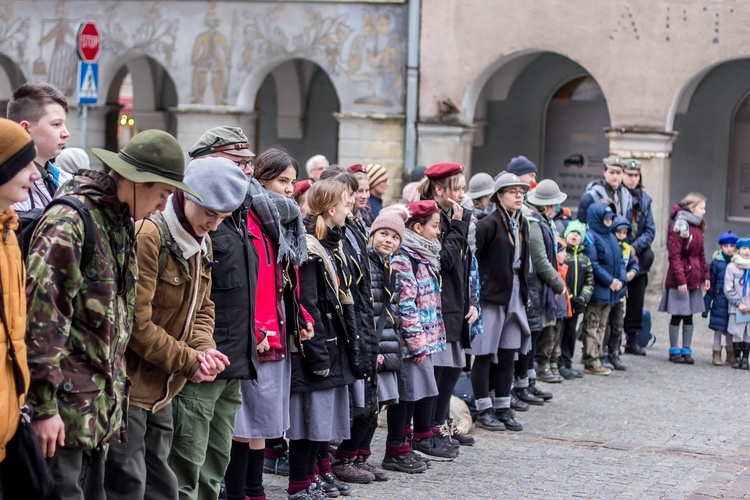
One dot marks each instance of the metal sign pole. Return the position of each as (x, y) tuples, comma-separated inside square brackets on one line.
[(84, 124)]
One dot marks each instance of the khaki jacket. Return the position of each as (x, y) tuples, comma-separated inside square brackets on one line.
[(14, 301), (174, 316)]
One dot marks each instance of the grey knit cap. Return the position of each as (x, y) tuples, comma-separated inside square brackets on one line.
[(219, 181)]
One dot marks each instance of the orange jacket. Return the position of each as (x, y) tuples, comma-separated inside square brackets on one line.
[(13, 278), (563, 270)]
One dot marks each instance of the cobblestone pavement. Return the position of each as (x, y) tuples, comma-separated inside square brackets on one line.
[(658, 430)]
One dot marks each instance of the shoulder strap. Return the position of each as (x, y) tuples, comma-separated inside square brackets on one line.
[(166, 241), (87, 252), (17, 372)]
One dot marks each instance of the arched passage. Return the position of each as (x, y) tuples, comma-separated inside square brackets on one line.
[(546, 107), (710, 154), (144, 90), (295, 106), (11, 78)]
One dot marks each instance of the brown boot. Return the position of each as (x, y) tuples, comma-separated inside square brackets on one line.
[(730, 355), (716, 358)]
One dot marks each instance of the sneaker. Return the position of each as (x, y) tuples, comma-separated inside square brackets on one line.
[(616, 362), (688, 359), (536, 391), (345, 470), (446, 433), (361, 463), (343, 488), (278, 466), (597, 370), (420, 458), (486, 419), (517, 404), (547, 376), (329, 490), (577, 373), (307, 494), (524, 395), (745, 365), (566, 373), (677, 358), (504, 416), (435, 447), (463, 439), (604, 360), (403, 463), (635, 349)]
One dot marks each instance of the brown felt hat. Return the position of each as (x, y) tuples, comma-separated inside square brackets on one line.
[(17, 149)]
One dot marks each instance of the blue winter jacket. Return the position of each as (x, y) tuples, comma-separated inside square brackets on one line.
[(606, 256), (643, 229), (715, 300)]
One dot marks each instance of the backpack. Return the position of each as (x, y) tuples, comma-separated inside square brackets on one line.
[(29, 220)]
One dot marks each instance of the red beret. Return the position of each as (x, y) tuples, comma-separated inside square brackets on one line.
[(444, 170), (301, 187), (356, 168), (422, 209)]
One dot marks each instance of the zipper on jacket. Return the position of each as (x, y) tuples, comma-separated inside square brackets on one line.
[(575, 274), (268, 250)]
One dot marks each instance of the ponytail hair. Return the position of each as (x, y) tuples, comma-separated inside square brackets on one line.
[(322, 196), (426, 187)]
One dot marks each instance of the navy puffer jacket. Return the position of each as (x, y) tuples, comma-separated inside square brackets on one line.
[(606, 256), (715, 300), (384, 296)]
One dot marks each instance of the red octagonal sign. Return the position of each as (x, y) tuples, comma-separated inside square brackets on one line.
[(89, 41)]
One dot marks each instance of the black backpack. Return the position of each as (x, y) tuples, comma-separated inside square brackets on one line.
[(29, 220)]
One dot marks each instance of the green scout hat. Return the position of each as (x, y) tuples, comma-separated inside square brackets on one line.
[(613, 161), (230, 140), (631, 164), (150, 156)]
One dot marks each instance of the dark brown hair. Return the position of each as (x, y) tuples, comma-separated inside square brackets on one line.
[(28, 101), (272, 162)]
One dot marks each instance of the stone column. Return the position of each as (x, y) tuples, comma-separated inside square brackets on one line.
[(440, 142), (193, 121), (654, 150), (374, 138)]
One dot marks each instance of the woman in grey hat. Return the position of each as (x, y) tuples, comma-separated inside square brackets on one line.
[(481, 189), (502, 241)]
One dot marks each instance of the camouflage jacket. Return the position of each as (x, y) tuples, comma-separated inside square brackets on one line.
[(80, 320)]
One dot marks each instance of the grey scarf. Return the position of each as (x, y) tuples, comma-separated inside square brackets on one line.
[(683, 220), (428, 250), (515, 227), (282, 221)]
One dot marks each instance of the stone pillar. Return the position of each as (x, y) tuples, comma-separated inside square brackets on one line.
[(193, 121), (374, 138), (439, 143), (654, 150)]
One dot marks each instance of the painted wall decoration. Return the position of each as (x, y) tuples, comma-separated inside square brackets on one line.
[(57, 53), (211, 58), (146, 31), (14, 33)]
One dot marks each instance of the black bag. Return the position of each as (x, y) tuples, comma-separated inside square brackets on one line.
[(25, 473), (29, 220)]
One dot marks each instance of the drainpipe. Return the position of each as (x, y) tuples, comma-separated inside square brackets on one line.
[(412, 84)]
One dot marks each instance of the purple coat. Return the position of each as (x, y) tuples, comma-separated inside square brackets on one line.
[(687, 257)]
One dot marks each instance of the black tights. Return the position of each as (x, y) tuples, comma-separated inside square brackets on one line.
[(422, 413), (363, 429), (397, 419), (302, 456), (446, 378), (485, 373), (686, 320), (526, 361)]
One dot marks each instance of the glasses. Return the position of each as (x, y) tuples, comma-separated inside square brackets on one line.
[(243, 163), (516, 192)]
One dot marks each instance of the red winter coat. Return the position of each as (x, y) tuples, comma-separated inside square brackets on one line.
[(687, 257)]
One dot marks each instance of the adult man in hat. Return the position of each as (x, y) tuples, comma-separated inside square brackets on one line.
[(80, 313), (609, 188), (225, 142), (524, 169)]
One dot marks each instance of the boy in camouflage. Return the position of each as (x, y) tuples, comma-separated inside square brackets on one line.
[(80, 319)]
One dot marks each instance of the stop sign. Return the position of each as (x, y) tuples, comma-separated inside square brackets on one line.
[(89, 41)]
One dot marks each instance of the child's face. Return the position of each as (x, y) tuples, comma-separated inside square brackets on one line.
[(744, 252), (621, 233), (431, 229), (17, 188), (608, 221), (49, 133), (561, 256), (727, 249), (573, 239), (385, 241)]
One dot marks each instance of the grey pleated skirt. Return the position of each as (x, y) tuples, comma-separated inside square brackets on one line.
[(454, 356), (503, 327), (417, 381), (388, 388), (682, 304), (264, 413), (319, 415)]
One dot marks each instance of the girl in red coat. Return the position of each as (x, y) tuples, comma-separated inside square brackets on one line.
[(688, 272)]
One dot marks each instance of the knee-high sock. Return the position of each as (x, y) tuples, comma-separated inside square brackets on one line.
[(687, 335), (674, 335)]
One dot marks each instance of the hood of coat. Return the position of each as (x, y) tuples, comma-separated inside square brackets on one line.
[(101, 189), (620, 221), (596, 213), (677, 208)]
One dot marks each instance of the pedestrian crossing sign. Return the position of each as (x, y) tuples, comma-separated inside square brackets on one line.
[(88, 83)]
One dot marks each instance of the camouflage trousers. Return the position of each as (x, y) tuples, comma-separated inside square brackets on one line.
[(594, 327), (615, 325), (548, 352)]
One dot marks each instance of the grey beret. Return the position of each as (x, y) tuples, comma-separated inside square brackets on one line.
[(219, 181)]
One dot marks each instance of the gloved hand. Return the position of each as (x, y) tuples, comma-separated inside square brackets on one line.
[(577, 304), (322, 373)]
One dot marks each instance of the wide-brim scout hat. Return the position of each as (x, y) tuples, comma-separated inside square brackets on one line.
[(508, 180), (480, 185), (547, 193), (150, 156)]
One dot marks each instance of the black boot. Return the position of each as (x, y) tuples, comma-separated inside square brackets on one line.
[(737, 355), (486, 419), (517, 404), (523, 394), (504, 416), (536, 391)]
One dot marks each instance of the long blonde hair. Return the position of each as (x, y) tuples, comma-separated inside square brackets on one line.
[(426, 186), (324, 195), (690, 201)]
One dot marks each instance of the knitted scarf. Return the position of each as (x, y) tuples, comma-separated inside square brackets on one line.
[(428, 250), (682, 222), (281, 220), (744, 265)]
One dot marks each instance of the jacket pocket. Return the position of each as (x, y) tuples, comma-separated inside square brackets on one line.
[(171, 286)]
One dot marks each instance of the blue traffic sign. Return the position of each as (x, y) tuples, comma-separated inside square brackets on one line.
[(88, 83)]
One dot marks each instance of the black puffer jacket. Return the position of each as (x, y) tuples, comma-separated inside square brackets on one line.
[(385, 296), (364, 344), (234, 278)]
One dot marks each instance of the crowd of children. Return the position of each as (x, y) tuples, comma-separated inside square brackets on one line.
[(236, 321)]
